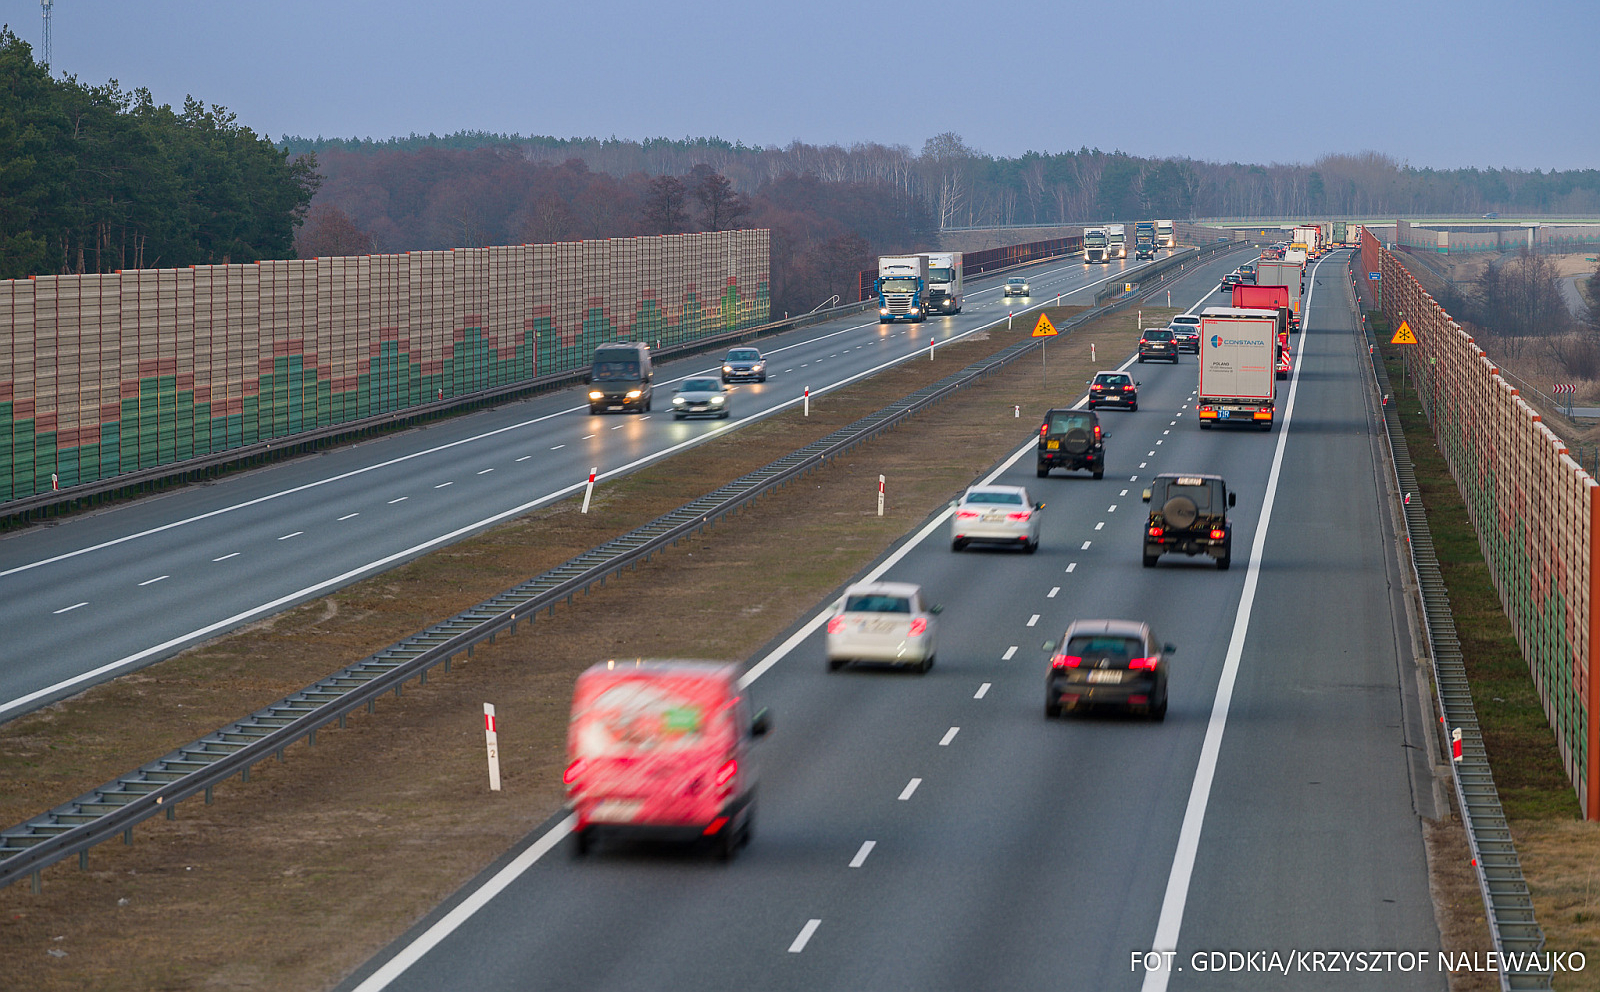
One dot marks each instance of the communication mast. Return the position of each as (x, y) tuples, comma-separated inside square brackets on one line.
[(46, 4)]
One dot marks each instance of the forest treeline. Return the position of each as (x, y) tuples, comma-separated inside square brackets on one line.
[(96, 178)]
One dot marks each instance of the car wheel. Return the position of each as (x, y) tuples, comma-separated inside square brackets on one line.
[(834, 664), (1141, 359), (677, 416), (749, 828), (725, 414), (1226, 559), (1150, 560), (761, 379), (582, 841), (1030, 546), (926, 665), (593, 412), (958, 544), (1158, 712), (727, 844), (1052, 709), (1042, 471), (1133, 407), (1100, 473)]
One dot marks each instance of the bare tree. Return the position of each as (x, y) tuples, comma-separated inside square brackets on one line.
[(549, 219), (329, 231), (663, 206), (720, 205)]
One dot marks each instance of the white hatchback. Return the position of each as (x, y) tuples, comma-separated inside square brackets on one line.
[(882, 622), (996, 515)]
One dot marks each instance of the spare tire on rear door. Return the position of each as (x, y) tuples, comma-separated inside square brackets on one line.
[(1180, 512), (1077, 442)]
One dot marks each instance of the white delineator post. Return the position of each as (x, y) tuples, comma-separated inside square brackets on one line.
[(880, 495), (1009, 315), (808, 401), (588, 490), (491, 734), (1091, 352), (931, 343), (1016, 411), (1169, 297), (1455, 744)]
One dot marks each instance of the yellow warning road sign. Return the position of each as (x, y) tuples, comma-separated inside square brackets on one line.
[(1044, 329), (1403, 335)]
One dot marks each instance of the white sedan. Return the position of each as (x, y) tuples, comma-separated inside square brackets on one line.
[(996, 515), (882, 622)]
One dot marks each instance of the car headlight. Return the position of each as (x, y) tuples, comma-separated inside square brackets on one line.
[(913, 310), (677, 401), (634, 394), (595, 394), (716, 401), (727, 368), (883, 310)]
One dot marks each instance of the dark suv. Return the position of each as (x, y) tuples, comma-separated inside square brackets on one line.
[(1113, 389), (1072, 439), (1157, 342), (1188, 515)]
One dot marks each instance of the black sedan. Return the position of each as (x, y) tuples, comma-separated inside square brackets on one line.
[(1157, 342)]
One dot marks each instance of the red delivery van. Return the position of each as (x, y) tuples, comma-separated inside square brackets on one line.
[(660, 749)]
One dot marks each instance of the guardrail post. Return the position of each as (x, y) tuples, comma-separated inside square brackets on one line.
[(83, 860), (127, 836), (38, 883)]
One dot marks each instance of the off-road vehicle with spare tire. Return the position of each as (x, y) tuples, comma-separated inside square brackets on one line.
[(1072, 439), (1188, 515)]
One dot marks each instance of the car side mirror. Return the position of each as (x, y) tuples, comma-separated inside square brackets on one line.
[(1233, 498), (1105, 435), (1048, 646), (1165, 648), (1038, 506), (1146, 496), (760, 723), (1137, 383), (936, 608)]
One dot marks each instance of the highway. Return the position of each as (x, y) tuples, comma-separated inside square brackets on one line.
[(937, 832), (104, 593)]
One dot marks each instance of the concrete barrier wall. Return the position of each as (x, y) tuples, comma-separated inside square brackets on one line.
[(1536, 512), (106, 374)]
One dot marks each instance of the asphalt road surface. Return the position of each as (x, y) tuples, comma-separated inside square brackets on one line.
[(938, 832), (104, 593)]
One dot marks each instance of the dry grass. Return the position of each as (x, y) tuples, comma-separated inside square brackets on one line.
[(295, 878), (1561, 859)]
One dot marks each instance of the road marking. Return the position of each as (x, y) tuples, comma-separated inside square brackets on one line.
[(151, 582), (1100, 526), (1170, 423), (1085, 546), (1177, 893), (1132, 478), (949, 735), (69, 609), (1033, 620), (805, 936), (347, 516), (400, 500), (556, 448), (1072, 566), (443, 484), (646, 416), (486, 471), (983, 690), (1148, 454), (587, 436), (236, 554), (1010, 653), (295, 534), (905, 793), (1158, 441), (619, 427), (1142, 465), (861, 855), (1052, 593), (1166, 432), (1112, 508)]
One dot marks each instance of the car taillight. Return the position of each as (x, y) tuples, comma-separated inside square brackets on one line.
[(1143, 341), (966, 515), (919, 626), (1096, 387), (836, 625), (725, 774), (1148, 663), (1217, 533), (1127, 388), (1155, 532), (1097, 432), (1044, 429), (1066, 661), (573, 771), (1022, 515)]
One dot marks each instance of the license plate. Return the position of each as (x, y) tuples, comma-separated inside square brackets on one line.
[(1222, 414), (616, 810), (614, 406), (1053, 445), (1105, 675)]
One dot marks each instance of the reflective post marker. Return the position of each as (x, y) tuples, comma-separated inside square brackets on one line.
[(491, 735), (1169, 297), (1016, 411), (1009, 315), (930, 349), (589, 489), (880, 495), (1091, 352), (1141, 319), (808, 401), (1455, 744)]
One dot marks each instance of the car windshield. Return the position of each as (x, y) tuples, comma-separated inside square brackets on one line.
[(1060, 423), (1112, 379), (877, 603), (1104, 647), (700, 386), (941, 275), (1015, 282), (1186, 319), (744, 355), (605, 371), (1159, 335), (1004, 499), (899, 285)]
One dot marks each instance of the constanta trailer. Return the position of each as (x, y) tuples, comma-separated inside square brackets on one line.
[(1238, 367)]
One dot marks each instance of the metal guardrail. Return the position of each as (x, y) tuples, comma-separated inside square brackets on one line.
[(1506, 899)]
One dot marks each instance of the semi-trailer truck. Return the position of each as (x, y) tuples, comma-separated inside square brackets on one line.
[(1309, 235), (1094, 244), (1291, 276), (944, 281), (1238, 367), (1164, 235), (902, 288), (1116, 241), (1144, 239)]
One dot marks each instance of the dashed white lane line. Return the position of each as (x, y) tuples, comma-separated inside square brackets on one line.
[(1033, 620), (1072, 566), (1112, 508), (619, 427), (1085, 546), (1143, 464), (587, 436), (1052, 593), (1166, 432), (1123, 493), (486, 471), (805, 936), (1171, 423), (949, 735), (295, 534), (347, 516), (556, 448), (1158, 441), (983, 690), (400, 500), (443, 484), (526, 457), (69, 609), (1010, 653), (151, 582), (1100, 526), (905, 793), (236, 554), (646, 416), (861, 855), (1148, 454)]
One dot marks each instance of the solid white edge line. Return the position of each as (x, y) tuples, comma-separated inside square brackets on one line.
[(1170, 921), (480, 897), (804, 937)]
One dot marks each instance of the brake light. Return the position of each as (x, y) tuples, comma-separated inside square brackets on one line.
[(1146, 663), (725, 774), (1044, 429), (1217, 533), (1155, 532), (1066, 661), (1097, 432), (1128, 388), (919, 626), (1023, 515), (1097, 387), (836, 625), (573, 771), (966, 514)]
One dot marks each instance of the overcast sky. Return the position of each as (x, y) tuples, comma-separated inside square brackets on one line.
[(1447, 84)]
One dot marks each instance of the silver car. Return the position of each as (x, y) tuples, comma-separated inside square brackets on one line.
[(1016, 286), (700, 398), (884, 622), (1002, 515)]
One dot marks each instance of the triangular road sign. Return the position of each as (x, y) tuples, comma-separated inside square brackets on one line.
[(1403, 335), (1044, 329)]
